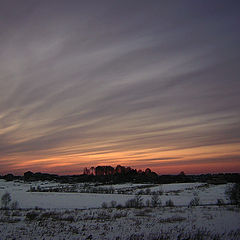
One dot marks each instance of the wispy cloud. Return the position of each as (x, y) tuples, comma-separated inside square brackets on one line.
[(102, 80)]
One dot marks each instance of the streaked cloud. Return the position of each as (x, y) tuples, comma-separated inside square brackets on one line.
[(136, 83)]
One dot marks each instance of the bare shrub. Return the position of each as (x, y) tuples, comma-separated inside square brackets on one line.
[(37, 208), (143, 213), (141, 192), (159, 236), (49, 215), (233, 193), (15, 205), (5, 200), (194, 202), (67, 218), (169, 203), (156, 201), (139, 201), (220, 202), (130, 203), (160, 191), (113, 204), (200, 234), (16, 213), (102, 215), (172, 219), (120, 215), (136, 202), (10, 220), (119, 206), (104, 205), (31, 216), (111, 190), (148, 203), (136, 237), (148, 191)]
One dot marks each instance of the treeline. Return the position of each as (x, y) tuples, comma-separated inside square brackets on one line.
[(118, 170), (127, 175), (103, 174)]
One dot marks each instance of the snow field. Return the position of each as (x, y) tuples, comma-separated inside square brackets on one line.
[(147, 223), (59, 215), (181, 194)]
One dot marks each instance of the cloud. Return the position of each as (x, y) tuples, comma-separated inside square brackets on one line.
[(82, 78)]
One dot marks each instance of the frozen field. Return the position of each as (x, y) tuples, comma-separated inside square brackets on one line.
[(180, 194), (51, 215)]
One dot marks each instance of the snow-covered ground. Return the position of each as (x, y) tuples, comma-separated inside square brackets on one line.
[(181, 194), (178, 223), (81, 216)]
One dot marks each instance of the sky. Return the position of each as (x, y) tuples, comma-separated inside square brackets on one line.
[(137, 83)]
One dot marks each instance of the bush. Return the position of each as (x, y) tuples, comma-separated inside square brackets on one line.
[(136, 202), (141, 192), (233, 194), (119, 206), (113, 204), (49, 215), (148, 203), (130, 203), (119, 215), (169, 203), (220, 202), (5, 200), (30, 216), (139, 201), (155, 201), (104, 205), (15, 205), (194, 202), (148, 191), (68, 219)]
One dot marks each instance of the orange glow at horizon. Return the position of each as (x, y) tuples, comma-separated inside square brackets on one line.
[(207, 159)]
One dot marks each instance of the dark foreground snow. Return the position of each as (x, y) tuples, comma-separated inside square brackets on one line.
[(164, 223)]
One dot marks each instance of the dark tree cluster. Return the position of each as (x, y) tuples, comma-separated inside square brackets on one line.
[(30, 176), (121, 174)]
